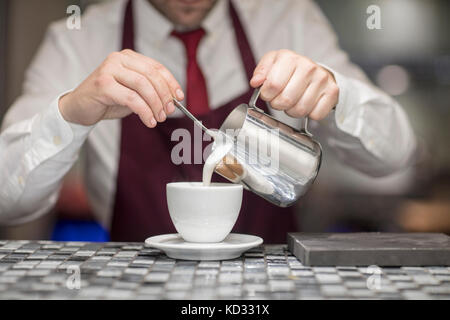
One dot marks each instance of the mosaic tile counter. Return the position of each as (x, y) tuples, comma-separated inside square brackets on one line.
[(80, 270)]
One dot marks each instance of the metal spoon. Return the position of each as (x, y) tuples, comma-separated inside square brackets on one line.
[(193, 118)]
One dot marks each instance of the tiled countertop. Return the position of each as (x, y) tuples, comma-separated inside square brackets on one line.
[(80, 270)]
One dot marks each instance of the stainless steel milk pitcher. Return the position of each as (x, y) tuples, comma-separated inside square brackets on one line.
[(268, 157)]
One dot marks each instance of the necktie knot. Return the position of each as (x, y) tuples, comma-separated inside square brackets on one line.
[(190, 39)]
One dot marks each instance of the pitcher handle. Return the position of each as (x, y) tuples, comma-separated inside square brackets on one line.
[(252, 104), (254, 98)]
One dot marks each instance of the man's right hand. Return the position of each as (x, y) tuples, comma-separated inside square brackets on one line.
[(125, 82)]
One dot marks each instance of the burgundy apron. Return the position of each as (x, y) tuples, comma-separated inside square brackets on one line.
[(145, 167)]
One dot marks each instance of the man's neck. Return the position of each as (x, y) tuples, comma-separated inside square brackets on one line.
[(162, 7)]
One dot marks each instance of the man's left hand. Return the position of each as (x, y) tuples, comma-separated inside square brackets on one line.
[(296, 85)]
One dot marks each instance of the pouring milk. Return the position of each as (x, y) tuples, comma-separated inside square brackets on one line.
[(222, 145)]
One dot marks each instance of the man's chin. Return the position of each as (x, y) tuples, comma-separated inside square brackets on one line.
[(191, 2)]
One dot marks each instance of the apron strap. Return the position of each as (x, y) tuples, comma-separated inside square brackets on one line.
[(128, 27), (242, 41)]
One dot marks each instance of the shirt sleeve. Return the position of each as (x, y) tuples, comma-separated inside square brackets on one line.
[(37, 146), (369, 130)]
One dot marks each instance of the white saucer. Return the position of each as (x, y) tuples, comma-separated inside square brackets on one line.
[(232, 247)]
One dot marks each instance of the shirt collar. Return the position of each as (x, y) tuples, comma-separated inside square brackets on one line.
[(215, 17), (151, 25)]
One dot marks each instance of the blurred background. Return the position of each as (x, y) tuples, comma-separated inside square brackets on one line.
[(409, 57)]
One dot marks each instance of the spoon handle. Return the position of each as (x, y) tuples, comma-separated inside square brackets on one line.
[(193, 118)]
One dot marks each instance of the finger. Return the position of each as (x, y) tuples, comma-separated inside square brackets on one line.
[(293, 91), (149, 70), (162, 79), (262, 69), (163, 91), (324, 106), (301, 79), (174, 86), (124, 96), (139, 83), (278, 76), (308, 101)]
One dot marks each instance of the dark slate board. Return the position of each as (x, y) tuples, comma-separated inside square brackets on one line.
[(370, 248)]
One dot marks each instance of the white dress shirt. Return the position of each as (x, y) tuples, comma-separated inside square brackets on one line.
[(368, 131)]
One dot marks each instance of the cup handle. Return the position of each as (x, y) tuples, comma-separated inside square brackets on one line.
[(252, 104)]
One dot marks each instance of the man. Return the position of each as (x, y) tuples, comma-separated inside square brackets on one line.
[(109, 87)]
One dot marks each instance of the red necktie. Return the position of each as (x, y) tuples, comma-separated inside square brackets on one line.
[(196, 93)]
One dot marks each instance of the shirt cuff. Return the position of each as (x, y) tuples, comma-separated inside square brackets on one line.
[(345, 115), (79, 132), (52, 134)]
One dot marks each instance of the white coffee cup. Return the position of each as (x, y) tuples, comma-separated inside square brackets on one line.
[(204, 213)]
